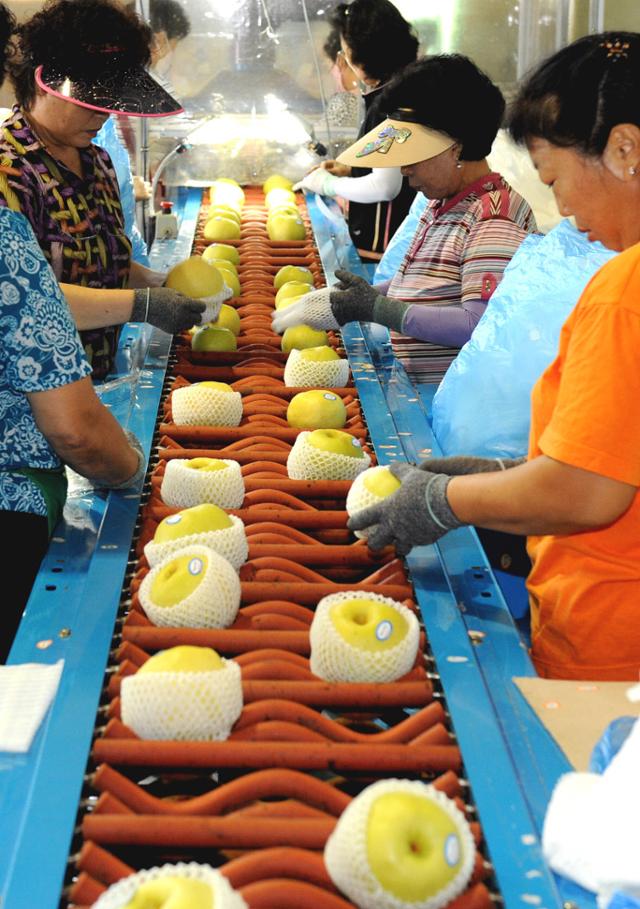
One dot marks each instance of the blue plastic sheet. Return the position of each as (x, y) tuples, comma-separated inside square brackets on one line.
[(610, 743), (482, 406), (621, 900), (399, 242), (108, 139)]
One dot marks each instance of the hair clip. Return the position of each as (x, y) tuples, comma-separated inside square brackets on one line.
[(616, 49), (385, 140)]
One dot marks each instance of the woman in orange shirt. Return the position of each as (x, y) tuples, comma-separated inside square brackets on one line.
[(576, 494)]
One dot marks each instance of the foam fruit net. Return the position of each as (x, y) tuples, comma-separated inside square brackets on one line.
[(229, 542), (336, 660), (213, 604), (306, 462), (201, 405), (223, 895), (345, 854), (183, 706), (359, 497), (183, 486), (301, 373)]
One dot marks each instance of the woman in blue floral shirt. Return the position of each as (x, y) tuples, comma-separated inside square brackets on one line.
[(49, 412)]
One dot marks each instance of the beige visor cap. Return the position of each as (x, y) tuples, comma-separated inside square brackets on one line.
[(395, 143)]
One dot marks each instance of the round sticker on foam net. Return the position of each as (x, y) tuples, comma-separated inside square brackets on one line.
[(302, 373), (201, 405), (334, 659), (184, 486), (214, 603), (183, 706), (229, 542), (346, 853), (306, 462), (223, 896)]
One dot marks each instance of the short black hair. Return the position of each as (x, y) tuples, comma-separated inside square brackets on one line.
[(381, 41), (448, 92), (7, 28), (168, 16), (78, 27), (576, 97)]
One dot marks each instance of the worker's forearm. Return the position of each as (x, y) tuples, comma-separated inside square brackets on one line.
[(95, 308), (542, 496), (102, 453)]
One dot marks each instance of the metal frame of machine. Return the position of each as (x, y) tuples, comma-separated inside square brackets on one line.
[(511, 762)]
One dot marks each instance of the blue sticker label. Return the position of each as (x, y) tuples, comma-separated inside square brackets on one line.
[(384, 630), (196, 566), (452, 850), (174, 519), (329, 396), (355, 443)]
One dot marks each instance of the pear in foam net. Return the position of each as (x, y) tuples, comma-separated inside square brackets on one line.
[(202, 525), (192, 587), (359, 637), (400, 844), (316, 366), (183, 694), (179, 886), (206, 404), (192, 481), (326, 454)]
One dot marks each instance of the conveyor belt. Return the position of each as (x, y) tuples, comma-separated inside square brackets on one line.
[(339, 739)]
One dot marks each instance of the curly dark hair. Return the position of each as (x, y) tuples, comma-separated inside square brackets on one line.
[(380, 40), (576, 97), (7, 28), (449, 93), (81, 28), (168, 16)]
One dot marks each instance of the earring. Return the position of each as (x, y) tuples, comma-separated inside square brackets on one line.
[(632, 171), (459, 165)]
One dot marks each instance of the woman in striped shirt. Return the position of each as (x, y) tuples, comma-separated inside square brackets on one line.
[(445, 116)]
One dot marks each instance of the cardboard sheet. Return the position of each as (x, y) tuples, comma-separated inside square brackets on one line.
[(577, 713)]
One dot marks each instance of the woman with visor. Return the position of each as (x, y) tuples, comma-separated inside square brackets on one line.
[(444, 116), (66, 87)]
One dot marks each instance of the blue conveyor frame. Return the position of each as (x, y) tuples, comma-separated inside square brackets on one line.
[(510, 760)]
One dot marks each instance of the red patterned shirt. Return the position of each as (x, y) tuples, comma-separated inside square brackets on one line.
[(459, 252), (77, 221)]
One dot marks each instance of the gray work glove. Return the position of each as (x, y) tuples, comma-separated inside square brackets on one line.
[(459, 465), (416, 514), (167, 309), (355, 300)]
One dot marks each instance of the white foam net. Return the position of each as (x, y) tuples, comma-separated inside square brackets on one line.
[(229, 542), (201, 405), (223, 895), (183, 706), (336, 660), (301, 373), (183, 486), (213, 604), (312, 309), (346, 860), (306, 462), (360, 497)]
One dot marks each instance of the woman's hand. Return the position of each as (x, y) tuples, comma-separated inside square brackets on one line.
[(338, 170), (416, 514)]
